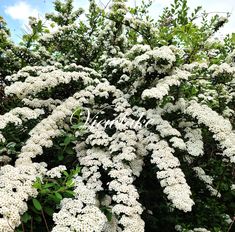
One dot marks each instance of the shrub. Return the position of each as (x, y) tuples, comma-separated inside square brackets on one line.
[(122, 124)]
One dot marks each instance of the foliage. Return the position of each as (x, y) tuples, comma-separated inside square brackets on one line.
[(50, 192)]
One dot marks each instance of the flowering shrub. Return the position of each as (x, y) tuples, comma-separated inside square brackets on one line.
[(117, 127)]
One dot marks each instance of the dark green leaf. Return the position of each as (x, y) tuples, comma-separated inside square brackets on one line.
[(58, 196), (37, 204)]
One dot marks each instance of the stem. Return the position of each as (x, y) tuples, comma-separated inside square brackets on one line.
[(10, 225), (231, 224), (104, 8), (220, 181), (31, 225), (45, 221), (215, 12), (22, 225), (127, 25)]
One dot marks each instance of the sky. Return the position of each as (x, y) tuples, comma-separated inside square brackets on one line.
[(16, 12)]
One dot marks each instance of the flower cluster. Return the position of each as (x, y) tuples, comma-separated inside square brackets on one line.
[(163, 86), (208, 180), (180, 229), (33, 85), (159, 59), (16, 189), (220, 127), (171, 177), (194, 143), (17, 116), (81, 213), (56, 172)]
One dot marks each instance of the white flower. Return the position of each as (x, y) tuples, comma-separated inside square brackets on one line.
[(171, 176), (219, 126), (208, 180), (56, 172), (163, 86)]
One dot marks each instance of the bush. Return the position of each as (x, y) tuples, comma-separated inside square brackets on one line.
[(118, 122)]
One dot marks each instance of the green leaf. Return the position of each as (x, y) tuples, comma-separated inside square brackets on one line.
[(69, 193), (52, 197), (48, 185), (49, 211), (61, 189), (77, 112), (2, 149), (109, 215), (67, 140), (107, 212), (69, 150), (44, 191), (65, 173), (60, 157), (70, 183), (37, 184), (233, 38), (77, 126), (37, 218), (76, 171), (37, 204), (58, 196), (25, 217), (11, 145)]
